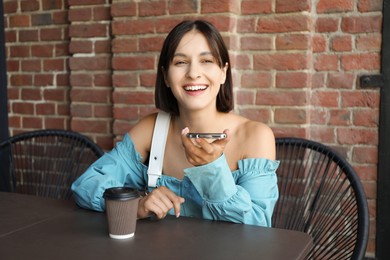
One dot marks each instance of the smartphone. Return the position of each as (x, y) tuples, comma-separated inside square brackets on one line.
[(207, 135)]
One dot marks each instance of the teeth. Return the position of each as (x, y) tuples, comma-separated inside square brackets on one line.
[(193, 88)]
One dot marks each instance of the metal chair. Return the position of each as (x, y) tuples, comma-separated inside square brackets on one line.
[(320, 194), (46, 162)]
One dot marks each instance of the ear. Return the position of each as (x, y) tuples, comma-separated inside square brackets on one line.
[(224, 70)]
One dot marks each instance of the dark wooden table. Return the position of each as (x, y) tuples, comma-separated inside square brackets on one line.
[(38, 228)]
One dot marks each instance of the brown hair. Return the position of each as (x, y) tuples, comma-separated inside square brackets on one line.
[(164, 98)]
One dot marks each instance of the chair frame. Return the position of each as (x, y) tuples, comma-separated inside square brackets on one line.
[(354, 181), (6, 146)]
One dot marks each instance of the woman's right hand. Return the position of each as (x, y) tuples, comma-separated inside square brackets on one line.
[(159, 202)]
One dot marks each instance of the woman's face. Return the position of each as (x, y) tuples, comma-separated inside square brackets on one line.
[(194, 75)]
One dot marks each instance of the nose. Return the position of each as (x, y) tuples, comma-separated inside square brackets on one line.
[(194, 71)]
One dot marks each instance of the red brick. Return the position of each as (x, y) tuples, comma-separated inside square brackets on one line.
[(10, 7), (45, 109), (260, 115), (326, 62), (292, 80), (31, 65), (45, 50), (80, 14), (148, 80), (133, 63), (290, 116), (284, 23), (21, 80), (365, 154), (341, 43), (103, 46), (339, 117), (32, 122), (256, 7), (123, 9), (56, 123), (31, 94), (242, 62), (125, 80), (19, 51), (341, 80), (61, 17), (52, 4), (322, 134), (280, 61), (244, 96), (101, 13), (370, 5), (325, 99), (88, 30), (103, 111), (293, 42), (318, 117), (363, 99), (82, 46), (89, 126), (319, 43), (54, 65), (356, 136), (51, 34), (281, 98), (368, 61), (182, 6), (41, 19), (326, 24), (153, 43), (140, 98), (220, 6), (245, 25), (124, 113), (283, 6), (366, 117), (86, 2), (19, 21), (55, 95), (24, 108), (43, 79), (333, 6), (256, 43), (90, 95), (28, 35), (255, 79), (89, 63), (139, 26), (361, 24), (81, 110), (370, 42), (154, 8)]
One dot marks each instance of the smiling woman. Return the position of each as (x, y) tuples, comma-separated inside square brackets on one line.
[(230, 179)]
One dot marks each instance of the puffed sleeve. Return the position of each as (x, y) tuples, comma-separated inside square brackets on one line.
[(246, 196), (120, 167)]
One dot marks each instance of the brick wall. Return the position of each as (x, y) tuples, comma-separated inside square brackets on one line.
[(89, 66)]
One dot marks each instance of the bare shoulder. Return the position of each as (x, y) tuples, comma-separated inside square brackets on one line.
[(142, 133), (257, 138)]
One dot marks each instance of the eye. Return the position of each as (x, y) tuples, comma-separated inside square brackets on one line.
[(179, 62)]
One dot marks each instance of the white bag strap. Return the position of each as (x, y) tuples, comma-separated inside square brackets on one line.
[(157, 150)]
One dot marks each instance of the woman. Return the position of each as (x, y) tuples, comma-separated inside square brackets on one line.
[(230, 179)]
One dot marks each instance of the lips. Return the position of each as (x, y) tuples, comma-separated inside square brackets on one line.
[(195, 87)]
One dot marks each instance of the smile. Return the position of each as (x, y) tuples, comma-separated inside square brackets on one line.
[(195, 87)]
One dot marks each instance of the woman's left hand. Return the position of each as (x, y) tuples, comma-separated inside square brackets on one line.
[(202, 152)]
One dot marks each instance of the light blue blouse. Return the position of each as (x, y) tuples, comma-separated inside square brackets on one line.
[(212, 191)]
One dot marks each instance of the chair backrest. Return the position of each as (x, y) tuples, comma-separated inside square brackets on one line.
[(320, 194), (46, 162)]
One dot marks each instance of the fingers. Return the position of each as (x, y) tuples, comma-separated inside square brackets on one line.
[(159, 202), (200, 151)]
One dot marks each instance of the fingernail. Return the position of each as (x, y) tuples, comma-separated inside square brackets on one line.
[(177, 214), (184, 131)]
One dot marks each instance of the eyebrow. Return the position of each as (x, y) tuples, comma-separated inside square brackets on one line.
[(201, 54)]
